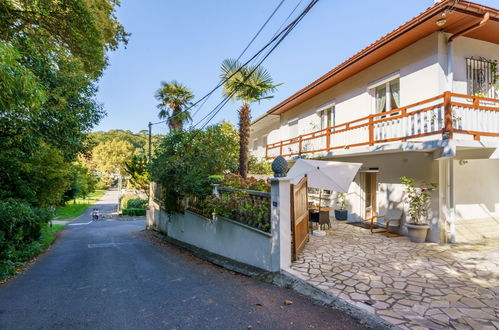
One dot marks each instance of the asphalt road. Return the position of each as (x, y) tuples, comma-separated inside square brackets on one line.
[(111, 275)]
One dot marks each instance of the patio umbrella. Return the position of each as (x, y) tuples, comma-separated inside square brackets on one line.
[(336, 176)]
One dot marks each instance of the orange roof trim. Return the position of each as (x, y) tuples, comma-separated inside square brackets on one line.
[(458, 14)]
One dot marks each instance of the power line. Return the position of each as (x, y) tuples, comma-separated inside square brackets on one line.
[(205, 98), (285, 32)]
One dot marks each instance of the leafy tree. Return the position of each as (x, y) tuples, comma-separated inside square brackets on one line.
[(83, 182), (247, 84), (174, 99), (110, 157), (185, 160), (138, 171)]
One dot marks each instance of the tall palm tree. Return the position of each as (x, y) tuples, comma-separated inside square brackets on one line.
[(247, 84), (174, 98)]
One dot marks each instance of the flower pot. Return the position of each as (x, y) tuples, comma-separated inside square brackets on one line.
[(341, 214), (417, 233)]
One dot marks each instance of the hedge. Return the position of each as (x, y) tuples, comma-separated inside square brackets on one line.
[(134, 212)]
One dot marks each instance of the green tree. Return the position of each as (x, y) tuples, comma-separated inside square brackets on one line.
[(185, 160), (110, 157), (137, 170), (174, 98), (247, 84)]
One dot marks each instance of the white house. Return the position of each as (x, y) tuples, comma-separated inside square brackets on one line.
[(422, 102)]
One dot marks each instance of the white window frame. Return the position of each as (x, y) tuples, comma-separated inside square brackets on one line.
[(326, 106), (371, 89), (293, 121)]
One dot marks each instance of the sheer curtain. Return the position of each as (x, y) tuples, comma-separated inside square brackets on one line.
[(380, 99), (395, 90)]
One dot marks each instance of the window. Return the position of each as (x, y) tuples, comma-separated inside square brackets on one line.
[(386, 96), (327, 117), (255, 144), (293, 128), (265, 141), (481, 77)]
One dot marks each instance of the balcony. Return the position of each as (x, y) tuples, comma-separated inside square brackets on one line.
[(446, 116)]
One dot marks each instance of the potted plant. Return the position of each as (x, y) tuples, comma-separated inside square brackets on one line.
[(341, 213), (418, 200)]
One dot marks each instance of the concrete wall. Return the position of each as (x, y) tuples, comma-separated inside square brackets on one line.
[(390, 192), (222, 236), (477, 199)]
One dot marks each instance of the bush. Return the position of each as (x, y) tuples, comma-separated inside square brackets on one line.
[(250, 183), (124, 200), (259, 167), (137, 203), (20, 224), (134, 212)]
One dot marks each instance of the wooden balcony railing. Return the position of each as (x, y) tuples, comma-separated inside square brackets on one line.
[(445, 115)]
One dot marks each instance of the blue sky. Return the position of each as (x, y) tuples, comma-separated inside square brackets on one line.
[(187, 40)]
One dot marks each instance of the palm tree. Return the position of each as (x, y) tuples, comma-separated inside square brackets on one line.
[(174, 98), (247, 84)]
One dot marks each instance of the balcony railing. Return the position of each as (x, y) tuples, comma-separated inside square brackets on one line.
[(445, 115)]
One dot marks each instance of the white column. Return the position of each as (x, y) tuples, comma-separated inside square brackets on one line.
[(447, 204), (280, 223)]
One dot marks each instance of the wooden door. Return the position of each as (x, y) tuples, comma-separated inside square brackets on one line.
[(299, 216), (370, 188)]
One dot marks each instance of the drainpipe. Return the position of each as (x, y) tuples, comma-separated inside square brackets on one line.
[(451, 200), (450, 69)]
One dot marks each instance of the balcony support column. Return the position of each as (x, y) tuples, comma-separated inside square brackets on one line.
[(448, 127)]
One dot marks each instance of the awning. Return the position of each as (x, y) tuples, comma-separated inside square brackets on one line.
[(328, 175)]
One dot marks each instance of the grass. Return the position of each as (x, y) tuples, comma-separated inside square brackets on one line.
[(75, 208), (18, 258)]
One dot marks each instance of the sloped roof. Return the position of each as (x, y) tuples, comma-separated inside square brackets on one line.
[(458, 15)]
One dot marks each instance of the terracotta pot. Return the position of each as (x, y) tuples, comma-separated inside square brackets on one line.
[(417, 233)]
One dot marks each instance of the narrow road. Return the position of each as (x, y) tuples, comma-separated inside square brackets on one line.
[(110, 275)]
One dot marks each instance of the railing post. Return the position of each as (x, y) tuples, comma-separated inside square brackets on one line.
[(328, 139), (448, 127), (299, 145), (371, 131), (280, 149), (266, 151)]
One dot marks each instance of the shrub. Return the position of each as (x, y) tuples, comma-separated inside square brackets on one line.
[(256, 166), (250, 183), (137, 204), (124, 200), (20, 224), (134, 212)]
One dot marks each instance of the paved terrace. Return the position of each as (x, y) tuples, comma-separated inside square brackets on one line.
[(410, 285)]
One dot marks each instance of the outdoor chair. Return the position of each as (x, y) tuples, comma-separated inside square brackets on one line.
[(381, 224)]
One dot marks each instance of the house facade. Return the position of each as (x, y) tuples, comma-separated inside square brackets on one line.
[(421, 102)]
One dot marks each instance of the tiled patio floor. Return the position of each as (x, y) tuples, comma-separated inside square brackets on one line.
[(407, 284)]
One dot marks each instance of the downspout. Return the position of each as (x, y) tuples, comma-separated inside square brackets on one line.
[(451, 202)]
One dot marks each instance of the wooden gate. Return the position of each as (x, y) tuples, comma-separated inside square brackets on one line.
[(299, 216)]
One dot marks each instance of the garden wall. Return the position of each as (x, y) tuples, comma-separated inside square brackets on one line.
[(270, 251), (224, 237)]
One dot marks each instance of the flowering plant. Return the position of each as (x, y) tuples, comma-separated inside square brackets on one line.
[(418, 199)]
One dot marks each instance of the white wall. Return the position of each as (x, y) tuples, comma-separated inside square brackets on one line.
[(390, 193), (419, 72), (477, 199), (258, 131), (465, 48), (223, 237)]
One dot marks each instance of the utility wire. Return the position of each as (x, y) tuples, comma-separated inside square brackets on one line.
[(285, 32), (205, 98)]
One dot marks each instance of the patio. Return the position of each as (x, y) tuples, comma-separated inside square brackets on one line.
[(413, 286)]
